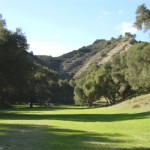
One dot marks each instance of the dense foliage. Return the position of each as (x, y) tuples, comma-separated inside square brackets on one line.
[(22, 80), (125, 75), (15, 67)]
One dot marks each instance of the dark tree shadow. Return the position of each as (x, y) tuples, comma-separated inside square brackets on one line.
[(29, 137), (47, 108), (74, 117)]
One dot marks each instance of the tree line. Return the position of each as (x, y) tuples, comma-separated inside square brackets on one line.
[(126, 75), (22, 80)]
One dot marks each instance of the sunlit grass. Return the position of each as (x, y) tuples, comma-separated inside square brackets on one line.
[(74, 128)]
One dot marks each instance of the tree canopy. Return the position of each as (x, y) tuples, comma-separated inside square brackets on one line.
[(142, 18), (21, 79)]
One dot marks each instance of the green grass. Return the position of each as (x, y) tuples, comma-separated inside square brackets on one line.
[(75, 128)]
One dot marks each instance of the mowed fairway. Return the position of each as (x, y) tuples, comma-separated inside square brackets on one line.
[(74, 128)]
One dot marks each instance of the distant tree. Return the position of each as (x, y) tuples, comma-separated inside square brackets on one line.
[(79, 95), (90, 91), (129, 35), (119, 66), (113, 39), (106, 86), (65, 92), (2, 22), (61, 92), (142, 18), (38, 90)]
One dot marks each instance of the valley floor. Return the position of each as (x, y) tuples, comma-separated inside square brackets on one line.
[(75, 128)]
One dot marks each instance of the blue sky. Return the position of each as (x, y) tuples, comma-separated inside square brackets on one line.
[(55, 27)]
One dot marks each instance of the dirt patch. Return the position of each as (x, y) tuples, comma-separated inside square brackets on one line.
[(136, 106)]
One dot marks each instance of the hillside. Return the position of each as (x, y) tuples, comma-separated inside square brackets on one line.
[(142, 101), (74, 63), (104, 55)]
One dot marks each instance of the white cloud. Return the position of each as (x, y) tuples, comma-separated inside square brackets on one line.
[(120, 11), (106, 13), (46, 48), (126, 27)]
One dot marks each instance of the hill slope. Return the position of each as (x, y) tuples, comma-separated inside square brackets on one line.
[(74, 63), (142, 101)]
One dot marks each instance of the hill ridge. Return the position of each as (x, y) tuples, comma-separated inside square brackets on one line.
[(72, 64)]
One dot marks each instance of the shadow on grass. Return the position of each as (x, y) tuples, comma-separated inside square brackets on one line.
[(29, 137), (74, 117), (39, 108)]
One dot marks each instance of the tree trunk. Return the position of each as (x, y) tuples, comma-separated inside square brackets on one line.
[(108, 101), (90, 103), (31, 104)]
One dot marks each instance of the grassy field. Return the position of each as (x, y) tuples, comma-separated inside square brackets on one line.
[(75, 128)]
